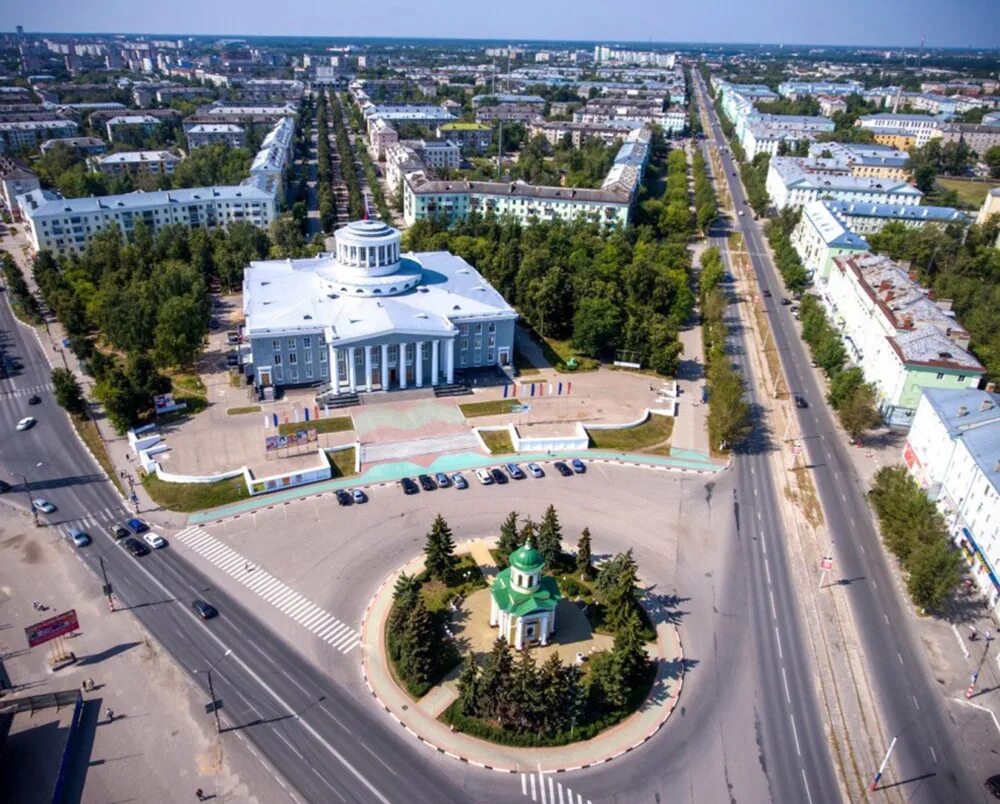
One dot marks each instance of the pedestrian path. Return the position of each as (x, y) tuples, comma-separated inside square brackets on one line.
[(543, 788), (435, 445), (271, 590)]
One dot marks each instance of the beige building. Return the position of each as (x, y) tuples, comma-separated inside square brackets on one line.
[(136, 163), (990, 207)]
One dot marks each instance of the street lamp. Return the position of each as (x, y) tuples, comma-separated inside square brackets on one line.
[(211, 690), (24, 479)]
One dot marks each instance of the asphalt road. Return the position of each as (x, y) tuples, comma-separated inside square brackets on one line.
[(925, 759)]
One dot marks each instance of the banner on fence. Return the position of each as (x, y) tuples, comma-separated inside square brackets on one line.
[(298, 438)]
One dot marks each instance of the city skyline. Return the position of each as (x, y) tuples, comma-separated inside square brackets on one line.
[(772, 22)]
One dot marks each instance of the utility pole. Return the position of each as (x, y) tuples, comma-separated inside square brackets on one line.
[(975, 676), (27, 491), (214, 705), (107, 584), (878, 773)]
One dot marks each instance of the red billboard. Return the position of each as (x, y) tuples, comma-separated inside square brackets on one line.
[(54, 627)]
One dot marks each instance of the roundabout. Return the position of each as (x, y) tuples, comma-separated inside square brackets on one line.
[(573, 640)]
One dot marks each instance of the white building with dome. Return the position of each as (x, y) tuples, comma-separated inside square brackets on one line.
[(369, 318)]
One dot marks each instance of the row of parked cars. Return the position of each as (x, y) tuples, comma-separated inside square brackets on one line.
[(487, 476)]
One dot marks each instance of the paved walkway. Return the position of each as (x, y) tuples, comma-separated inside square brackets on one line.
[(420, 718), (399, 450)]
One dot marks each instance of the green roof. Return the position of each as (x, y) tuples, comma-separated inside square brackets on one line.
[(465, 126), (543, 598), (527, 559)]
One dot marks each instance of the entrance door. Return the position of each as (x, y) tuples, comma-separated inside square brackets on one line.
[(529, 631), (392, 377), (265, 377), (504, 357)]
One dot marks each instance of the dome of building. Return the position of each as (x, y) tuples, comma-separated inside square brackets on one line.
[(527, 559), (367, 261)]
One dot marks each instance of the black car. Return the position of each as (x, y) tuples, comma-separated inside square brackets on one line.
[(213, 323), (766, 294), (117, 531), (135, 547), (343, 497), (409, 487), (786, 301), (563, 469), (800, 401), (205, 610), (427, 482), (34, 399), (498, 476), (993, 785)]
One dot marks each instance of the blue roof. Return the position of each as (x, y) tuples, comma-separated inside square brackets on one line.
[(973, 416), (905, 212)]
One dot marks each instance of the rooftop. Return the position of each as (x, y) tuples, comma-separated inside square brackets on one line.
[(973, 416), (832, 228)]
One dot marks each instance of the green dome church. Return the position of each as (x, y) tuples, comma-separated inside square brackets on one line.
[(523, 603)]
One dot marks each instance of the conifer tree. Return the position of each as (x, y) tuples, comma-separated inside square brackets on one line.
[(529, 532), (584, 559), (525, 701), (404, 595), (416, 655), (494, 680), (468, 686), (509, 540), (629, 651), (550, 537), (439, 551)]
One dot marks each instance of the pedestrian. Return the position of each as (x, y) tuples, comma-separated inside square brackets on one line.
[(200, 794), (110, 715)]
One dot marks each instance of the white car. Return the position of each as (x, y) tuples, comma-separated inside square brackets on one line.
[(43, 505), (154, 540), (484, 476), (26, 423), (536, 470)]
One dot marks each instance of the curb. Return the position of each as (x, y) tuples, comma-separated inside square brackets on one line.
[(648, 736)]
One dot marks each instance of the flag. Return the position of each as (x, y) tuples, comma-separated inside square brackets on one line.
[(275, 415), (515, 389), (569, 387), (559, 392), (305, 411), (550, 389), (315, 411), (267, 421), (532, 389), (295, 415), (505, 388)]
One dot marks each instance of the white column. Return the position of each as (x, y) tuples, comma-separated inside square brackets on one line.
[(519, 638), (450, 363), (545, 629), (368, 368), (435, 373), (334, 376), (352, 372), (552, 622), (385, 367), (418, 357), (402, 365)]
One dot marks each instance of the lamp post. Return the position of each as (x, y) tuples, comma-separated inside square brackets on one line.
[(24, 479), (211, 689)]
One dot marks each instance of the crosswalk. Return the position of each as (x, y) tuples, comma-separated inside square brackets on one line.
[(95, 521), (25, 391), (543, 788), (271, 590)]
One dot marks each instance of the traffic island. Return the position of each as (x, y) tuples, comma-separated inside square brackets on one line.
[(454, 714)]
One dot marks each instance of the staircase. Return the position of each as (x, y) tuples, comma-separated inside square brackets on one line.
[(451, 389), (330, 400)]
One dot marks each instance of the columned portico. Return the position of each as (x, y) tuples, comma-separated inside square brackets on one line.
[(385, 366), (418, 352), (435, 372), (334, 357), (352, 371), (368, 368), (450, 363)]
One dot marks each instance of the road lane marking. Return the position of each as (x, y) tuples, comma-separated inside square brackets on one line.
[(767, 570), (899, 656), (524, 785), (806, 783), (532, 780), (795, 734), (933, 753), (378, 759), (983, 708), (886, 616), (784, 677), (774, 613), (777, 636), (961, 642), (914, 699)]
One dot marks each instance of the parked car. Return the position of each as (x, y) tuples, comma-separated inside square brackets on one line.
[(498, 476), (359, 496), (442, 480), (204, 610), (459, 481), (213, 323), (135, 548), (232, 338), (484, 476), (34, 399), (343, 497), (79, 538), (741, 213), (26, 423), (563, 469), (43, 505), (117, 531), (427, 482), (136, 525), (514, 471), (536, 470), (155, 540), (785, 300), (578, 466), (800, 401), (408, 486), (232, 360)]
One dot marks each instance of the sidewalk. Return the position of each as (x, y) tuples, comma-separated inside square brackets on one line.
[(420, 718)]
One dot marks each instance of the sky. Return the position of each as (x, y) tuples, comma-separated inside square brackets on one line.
[(943, 23)]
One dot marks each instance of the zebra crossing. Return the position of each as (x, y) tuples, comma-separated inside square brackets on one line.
[(95, 521), (271, 590), (25, 391), (543, 788)]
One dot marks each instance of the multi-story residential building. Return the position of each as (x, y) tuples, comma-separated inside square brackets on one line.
[(365, 317), (271, 162), (863, 161), (508, 113), (979, 138), (829, 105), (18, 134), (208, 133), (382, 136), (921, 126), (903, 339), (896, 138), (85, 146), (66, 225), (420, 113), (473, 138), (400, 160), (865, 219), (16, 178), (794, 182), (135, 163), (803, 89), (145, 123), (438, 154), (508, 99), (990, 207), (953, 451), (820, 236), (579, 133)]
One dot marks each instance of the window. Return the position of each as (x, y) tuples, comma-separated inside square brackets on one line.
[(277, 375), (492, 341), (493, 326), (489, 356), (961, 378), (940, 375), (293, 358), (322, 356), (309, 357), (277, 360), (276, 345), (465, 344), (291, 343), (309, 373), (307, 342), (294, 375), (479, 329)]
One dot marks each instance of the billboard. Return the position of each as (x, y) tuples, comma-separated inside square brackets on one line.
[(295, 439), (60, 625)]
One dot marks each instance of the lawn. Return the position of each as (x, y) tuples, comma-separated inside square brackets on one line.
[(341, 462), (242, 410), (497, 441), (92, 438), (195, 496), (492, 407), (186, 385), (559, 353), (970, 193), (338, 424), (655, 430)]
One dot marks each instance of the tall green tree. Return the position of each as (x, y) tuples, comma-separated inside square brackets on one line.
[(629, 650), (67, 391), (584, 559), (858, 413), (468, 686), (550, 537), (417, 644), (495, 680), (439, 550), (508, 542), (527, 704), (935, 570)]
